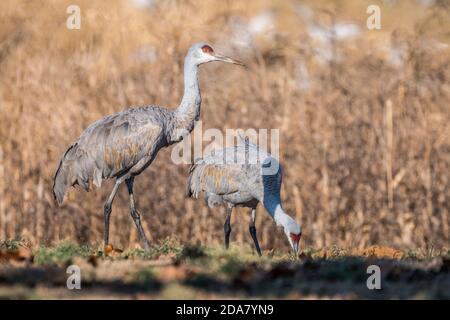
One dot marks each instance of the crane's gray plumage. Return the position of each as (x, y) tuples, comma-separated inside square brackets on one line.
[(243, 175), (123, 144)]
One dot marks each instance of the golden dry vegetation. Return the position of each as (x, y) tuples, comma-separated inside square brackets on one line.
[(364, 135)]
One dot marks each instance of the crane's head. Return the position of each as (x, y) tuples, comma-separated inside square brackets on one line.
[(202, 53), (293, 233)]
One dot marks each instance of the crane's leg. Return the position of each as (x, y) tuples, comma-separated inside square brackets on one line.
[(135, 214), (107, 208), (227, 227), (252, 230)]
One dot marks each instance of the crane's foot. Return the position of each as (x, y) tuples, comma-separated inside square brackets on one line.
[(227, 232), (137, 220), (252, 231), (146, 245)]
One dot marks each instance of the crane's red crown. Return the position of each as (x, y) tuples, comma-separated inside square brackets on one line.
[(207, 49), (295, 237)]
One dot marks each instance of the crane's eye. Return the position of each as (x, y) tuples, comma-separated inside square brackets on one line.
[(207, 49)]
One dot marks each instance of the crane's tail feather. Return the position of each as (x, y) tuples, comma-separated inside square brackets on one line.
[(63, 178)]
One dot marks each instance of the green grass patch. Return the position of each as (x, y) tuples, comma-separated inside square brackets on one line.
[(231, 266), (13, 244), (144, 276), (166, 246), (62, 253)]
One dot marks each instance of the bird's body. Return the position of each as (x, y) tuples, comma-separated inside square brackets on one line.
[(243, 175), (123, 144), (228, 177)]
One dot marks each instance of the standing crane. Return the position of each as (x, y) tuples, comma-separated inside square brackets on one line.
[(243, 175), (120, 146)]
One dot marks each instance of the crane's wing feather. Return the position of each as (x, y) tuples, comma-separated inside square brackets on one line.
[(214, 178), (116, 143), (242, 168)]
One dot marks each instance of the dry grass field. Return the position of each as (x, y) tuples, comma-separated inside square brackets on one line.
[(364, 120), (170, 270)]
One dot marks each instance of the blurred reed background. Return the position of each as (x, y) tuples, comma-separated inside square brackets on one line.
[(364, 116)]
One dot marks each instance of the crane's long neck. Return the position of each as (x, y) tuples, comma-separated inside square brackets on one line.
[(277, 213), (270, 197), (189, 109)]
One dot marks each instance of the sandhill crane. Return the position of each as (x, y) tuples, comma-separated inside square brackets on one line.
[(123, 144), (243, 175)]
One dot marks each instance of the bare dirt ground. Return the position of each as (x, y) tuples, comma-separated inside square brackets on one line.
[(171, 271)]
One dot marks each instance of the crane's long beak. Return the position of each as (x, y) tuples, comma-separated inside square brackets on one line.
[(295, 245), (228, 60)]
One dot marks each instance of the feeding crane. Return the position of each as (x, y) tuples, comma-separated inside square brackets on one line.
[(243, 175), (120, 146)]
